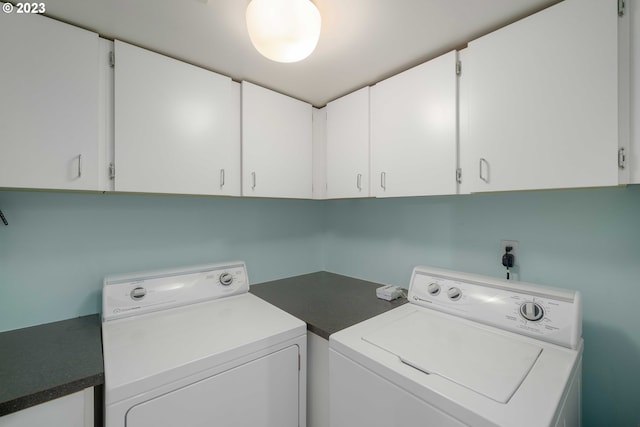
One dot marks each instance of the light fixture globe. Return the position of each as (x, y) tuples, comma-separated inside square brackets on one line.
[(284, 30)]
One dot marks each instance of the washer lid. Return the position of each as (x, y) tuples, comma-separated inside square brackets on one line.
[(480, 360)]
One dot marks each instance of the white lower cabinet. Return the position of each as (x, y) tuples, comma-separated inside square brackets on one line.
[(74, 410), (276, 144), (175, 126), (48, 104), (545, 101), (317, 381)]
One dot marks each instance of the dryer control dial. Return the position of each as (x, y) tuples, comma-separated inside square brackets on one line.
[(454, 294), (226, 279), (531, 311), (433, 289), (138, 293)]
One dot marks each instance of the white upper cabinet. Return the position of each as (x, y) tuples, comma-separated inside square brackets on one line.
[(276, 144), (174, 126), (542, 105), (347, 156), (413, 131), (48, 104), (347, 146)]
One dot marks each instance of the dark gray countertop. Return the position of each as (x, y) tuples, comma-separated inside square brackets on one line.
[(327, 302), (44, 362)]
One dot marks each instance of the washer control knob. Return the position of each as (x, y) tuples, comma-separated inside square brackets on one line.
[(532, 311), (433, 289), (138, 293), (226, 279), (454, 294)]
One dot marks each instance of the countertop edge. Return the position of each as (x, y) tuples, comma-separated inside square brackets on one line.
[(47, 395)]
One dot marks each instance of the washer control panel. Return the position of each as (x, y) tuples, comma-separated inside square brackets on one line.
[(550, 314), (138, 293)]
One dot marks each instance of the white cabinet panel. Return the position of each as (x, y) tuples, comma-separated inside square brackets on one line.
[(173, 126), (276, 144), (413, 131), (48, 104), (74, 410), (105, 122), (542, 102), (348, 146), (319, 153), (317, 381), (633, 9)]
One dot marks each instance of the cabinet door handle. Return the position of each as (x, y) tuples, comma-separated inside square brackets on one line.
[(359, 182), (79, 165), (622, 158), (383, 180), (221, 178), (484, 177), (253, 180)]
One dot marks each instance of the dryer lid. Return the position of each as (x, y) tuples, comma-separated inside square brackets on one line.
[(486, 362)]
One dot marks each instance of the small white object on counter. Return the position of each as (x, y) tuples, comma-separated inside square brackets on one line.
[(389, 292)]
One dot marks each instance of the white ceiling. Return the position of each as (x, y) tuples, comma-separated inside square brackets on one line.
[(361, 43)]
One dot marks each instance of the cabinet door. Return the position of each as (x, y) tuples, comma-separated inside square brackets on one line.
[(543, 101), (173, 126), (348, 146), (48, 104), (276, 144), (73, 410), (413, 131)]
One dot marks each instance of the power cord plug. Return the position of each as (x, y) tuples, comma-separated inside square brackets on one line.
[(508, 260)]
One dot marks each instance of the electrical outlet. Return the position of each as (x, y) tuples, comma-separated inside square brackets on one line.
[(514, 251)]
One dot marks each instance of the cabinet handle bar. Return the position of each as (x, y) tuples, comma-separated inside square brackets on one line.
[(482, 175)]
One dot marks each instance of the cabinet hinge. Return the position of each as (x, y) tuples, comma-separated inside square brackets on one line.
[(112, 171), (458, 67), (459, 175), (622, 158), (112, 59), (621, 7)]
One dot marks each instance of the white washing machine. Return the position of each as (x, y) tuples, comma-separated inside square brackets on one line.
[(191, 347), (467, 350)]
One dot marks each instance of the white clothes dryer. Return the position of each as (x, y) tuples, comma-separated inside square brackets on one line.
[(467, 350), (191, 347)]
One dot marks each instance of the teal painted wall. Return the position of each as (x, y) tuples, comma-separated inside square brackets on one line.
[(59, 246), (587, 240)]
